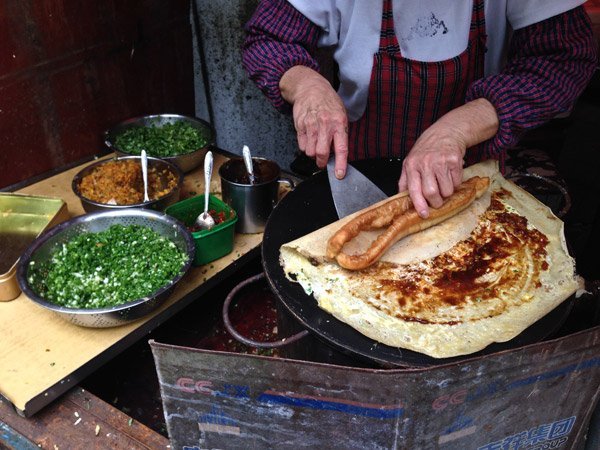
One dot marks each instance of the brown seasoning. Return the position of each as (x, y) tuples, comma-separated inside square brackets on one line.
[(121, 181)]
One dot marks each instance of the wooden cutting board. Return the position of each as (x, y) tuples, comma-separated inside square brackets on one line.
[(43, 355)]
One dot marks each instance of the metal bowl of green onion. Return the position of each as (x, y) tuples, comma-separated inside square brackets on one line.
[(108, 268), (181, 140)]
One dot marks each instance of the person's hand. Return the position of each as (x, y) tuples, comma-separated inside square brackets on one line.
[(319, 116), (433, 167)]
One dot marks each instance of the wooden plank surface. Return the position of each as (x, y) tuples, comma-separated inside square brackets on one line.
[(78, 420), (42, 355)]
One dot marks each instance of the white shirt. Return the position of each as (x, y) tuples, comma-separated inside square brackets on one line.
[(427, 30)]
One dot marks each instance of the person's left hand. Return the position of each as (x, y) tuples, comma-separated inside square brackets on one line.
[(433, 168)]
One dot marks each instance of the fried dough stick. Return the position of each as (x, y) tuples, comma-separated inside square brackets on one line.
[(402, 220)]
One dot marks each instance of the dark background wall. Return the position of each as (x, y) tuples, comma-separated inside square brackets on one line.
[(69, 69)]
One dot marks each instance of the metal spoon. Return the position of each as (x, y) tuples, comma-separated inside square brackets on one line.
[(248, 162), (205, 221), (145, 174)]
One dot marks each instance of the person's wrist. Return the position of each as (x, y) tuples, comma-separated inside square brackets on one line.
[(298, 79), (456, 138), (445, 136), (482, 121), (472, 123)]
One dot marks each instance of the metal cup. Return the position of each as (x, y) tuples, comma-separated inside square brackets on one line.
[(253, 202)]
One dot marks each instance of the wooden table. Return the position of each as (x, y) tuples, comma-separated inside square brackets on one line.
[(78, 419), (30, 381)]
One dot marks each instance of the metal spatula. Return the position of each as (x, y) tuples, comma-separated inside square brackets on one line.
[(354, 192)]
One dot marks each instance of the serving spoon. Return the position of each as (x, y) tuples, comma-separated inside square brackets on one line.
[(248, 162), (205, 221), (144, 159)]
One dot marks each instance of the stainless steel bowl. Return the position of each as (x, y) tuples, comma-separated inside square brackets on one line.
[(185, 162), (43, 247), (158, 204)]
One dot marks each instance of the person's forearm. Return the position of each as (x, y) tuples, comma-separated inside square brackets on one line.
[(298, 79), (549, 65), (472, 123), (277, 37)]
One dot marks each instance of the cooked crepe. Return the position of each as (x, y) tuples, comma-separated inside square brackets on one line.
[(480, 277)]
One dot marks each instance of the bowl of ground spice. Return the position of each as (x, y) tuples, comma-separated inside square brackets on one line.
[(117, 183), (106, 268), (181, 140)]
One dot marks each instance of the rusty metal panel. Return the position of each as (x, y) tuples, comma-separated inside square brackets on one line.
[(536, 397)]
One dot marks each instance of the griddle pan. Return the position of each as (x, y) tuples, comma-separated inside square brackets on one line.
[(309, 207)]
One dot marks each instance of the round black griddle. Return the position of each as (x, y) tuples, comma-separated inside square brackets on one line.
[(309, 207)]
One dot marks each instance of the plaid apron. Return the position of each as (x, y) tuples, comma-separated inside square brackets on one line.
[(406, 96)]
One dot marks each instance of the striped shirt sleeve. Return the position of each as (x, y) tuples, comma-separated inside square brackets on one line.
[(278, 37), (549, 65)]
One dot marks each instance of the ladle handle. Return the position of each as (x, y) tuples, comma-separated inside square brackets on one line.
[(248, 161), (247, 341), (208, 168)]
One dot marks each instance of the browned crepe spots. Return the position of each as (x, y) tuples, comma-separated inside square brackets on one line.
[(501, 256)]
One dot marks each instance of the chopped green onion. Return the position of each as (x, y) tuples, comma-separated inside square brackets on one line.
[(108, 268), (169, 139)]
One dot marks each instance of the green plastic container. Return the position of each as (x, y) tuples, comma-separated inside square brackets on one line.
[(210, 244)]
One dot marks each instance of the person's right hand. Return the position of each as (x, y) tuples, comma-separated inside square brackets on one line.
[(319, 116)]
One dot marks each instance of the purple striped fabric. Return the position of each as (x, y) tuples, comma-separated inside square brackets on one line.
[(278, 37), (549, 65)]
